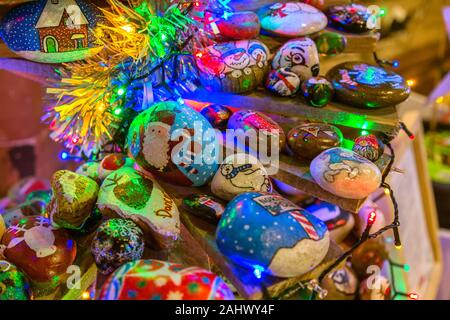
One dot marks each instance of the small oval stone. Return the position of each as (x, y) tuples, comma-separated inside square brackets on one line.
[(369, 147), (308, 140), (203, 206), (330, 43), (13, 283), (341, 284), (239, 25), (217, 115), (345, 173), (317, 91), (113, 162), (283, 82), (266, 232), (353, 18)]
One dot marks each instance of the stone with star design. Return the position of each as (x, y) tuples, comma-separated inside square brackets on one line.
[(266, 232), (128, 194), (308, 140), (367, 86), (161, 280)]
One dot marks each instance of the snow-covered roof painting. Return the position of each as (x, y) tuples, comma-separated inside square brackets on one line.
[(53, 12)]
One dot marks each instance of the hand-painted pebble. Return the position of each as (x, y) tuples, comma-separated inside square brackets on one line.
[(364, 213), (116, 242), (163, 141), (308, 140), (128, 194), (43, 196), (238, 66), (217, 115), (13, 283), (73, 200), (240, 173), (381, 291), (266, 232), (340, 284), (370, 253), (291, 19), (235, 26), (19, 192), (111, 163), (283, 82), (353, 18), (266, 130), (30, 208), (160, 280), (300, 56), (330, 43), (89, 169), (339, 222), (203, 206), (369, 147), (345, 173), (317, 91), (367, 86), (51, 31), (42, 252)]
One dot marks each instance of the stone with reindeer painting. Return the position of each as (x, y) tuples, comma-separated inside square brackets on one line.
[(40, 250), (240, 173), (128, 194), (175, 143), (51, 31), (236, 66), (345, 173), (291, 19), (73, 200), (300, 56)]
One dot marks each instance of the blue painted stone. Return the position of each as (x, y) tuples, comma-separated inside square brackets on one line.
[(266, 230), (51, 31)]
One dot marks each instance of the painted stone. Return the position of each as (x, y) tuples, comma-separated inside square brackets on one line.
[(353, 18), (341, 284), (41, 251), (381, 292), (369, 147), (345, 173), (371, 252), (317, 91), (236, 26), (339, 222), (111, 163), (128, 194), (90, 170), (283, 82), (367, 86), (43, 196), (19, 191), (116, 242), (203, 206), (363, 215), (266, 129), (160, 280), (30, 208), (267, 232), (74, 198), (163, 141), (330, 43), (237, 66), (240, 173), (51, 31), (13, 283), (300, 56), (291, 19), (308, 140), (217, 115)]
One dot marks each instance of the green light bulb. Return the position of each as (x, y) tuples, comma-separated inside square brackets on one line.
[(121, 91)]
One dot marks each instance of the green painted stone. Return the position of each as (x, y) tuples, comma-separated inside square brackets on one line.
[(13, 283), (330, 43), (367, 86)]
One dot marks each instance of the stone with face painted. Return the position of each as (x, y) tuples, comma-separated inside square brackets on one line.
[(267, 232), (237, 66), (339, 222), (291, 19), (13, 283), (283, 82), (367, 86), (40, 250), (308, 140), (175, 143), (354, 18), (341, 284), (128, 194), (369, 146), (240, 173), (345, 173), (317, 91), (299, 55), (161, 280)]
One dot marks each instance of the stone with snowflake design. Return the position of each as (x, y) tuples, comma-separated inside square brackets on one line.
[(40, 250), (263, 231), (128, 194), (160, 280), (175, 143)]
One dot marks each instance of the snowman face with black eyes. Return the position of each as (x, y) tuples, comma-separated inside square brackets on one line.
[(237, 59), (226, 169), (259, 55)]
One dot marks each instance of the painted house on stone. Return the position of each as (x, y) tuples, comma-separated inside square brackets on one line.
[(62, 27)]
